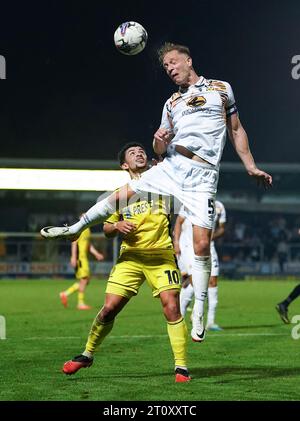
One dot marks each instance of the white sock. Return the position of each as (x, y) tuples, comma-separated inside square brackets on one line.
[(200, 276), (212, 304), (186, 296), (87, 354), (95, 215), (181, 366)]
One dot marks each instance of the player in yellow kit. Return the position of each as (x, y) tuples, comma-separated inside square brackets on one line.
[(146, 254), (80, 262)]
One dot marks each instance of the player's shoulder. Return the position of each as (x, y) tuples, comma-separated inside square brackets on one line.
[(218, 85), (171, 101)]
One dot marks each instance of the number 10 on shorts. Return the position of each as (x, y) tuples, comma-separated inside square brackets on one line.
[(173, 276)]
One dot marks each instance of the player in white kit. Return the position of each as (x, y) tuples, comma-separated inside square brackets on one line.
[(183, 244), (192, 133)]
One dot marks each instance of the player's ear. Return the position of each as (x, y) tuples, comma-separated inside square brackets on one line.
[(125, 166), (190, 61)]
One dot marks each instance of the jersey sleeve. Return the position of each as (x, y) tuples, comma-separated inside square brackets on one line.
[(230, 107), (166, 120)]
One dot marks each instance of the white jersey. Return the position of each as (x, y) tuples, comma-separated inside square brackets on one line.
[(197, 117)]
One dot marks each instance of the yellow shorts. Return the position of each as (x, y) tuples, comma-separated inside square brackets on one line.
[(158, 267), (82, 269)]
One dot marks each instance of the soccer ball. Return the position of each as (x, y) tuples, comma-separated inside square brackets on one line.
[(130, 38)]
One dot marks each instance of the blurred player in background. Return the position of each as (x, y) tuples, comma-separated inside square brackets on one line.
[(283, 306), (146, 254), (183, 245), (192, 133), (80, 262)]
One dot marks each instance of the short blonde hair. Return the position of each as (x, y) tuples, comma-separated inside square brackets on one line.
[(169, 46)]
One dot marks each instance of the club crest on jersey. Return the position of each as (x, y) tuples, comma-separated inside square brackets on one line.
[(126, 213), (174, 99), (196, 101)]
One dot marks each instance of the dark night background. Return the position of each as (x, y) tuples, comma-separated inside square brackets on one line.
[(70, 94)]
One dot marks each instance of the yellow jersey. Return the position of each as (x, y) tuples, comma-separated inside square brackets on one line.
[(152, 224), (83, 244)]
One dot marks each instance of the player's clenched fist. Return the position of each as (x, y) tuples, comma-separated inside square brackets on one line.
[(162, 138)]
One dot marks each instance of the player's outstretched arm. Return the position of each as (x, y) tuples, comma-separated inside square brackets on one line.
[(97, 254), (239, 139), (73, 258)]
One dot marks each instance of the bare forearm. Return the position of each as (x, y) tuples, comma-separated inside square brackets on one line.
[(176, 234), (74, 250), (93, 250), (219, 232), (110, 230), (177, 229), (241, 145), (239, 139), (159, 147)]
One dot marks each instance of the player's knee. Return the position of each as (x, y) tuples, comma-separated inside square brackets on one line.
[(107, 313), (172, 312), (202, 247)]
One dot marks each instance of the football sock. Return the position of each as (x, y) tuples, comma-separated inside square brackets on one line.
[(96, 214), (177, 332), (186, 296), (80, 298), (212, 304), (87, 354), (73, 288), (98, 332), (200, 275), (293, 295), (180, 366)]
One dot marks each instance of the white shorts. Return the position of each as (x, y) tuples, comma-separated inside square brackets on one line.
[(192, 183), (186, 257)]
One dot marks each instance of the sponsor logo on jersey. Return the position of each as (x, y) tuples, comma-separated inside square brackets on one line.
[(196, 101), (126, 213), (196, 110)]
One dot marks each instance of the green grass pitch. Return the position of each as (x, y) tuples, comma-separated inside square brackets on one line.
[(253, 358)]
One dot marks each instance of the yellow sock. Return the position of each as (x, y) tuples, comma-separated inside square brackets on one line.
[(178, 335), (99, 331), (80, 298), (72, 288)]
